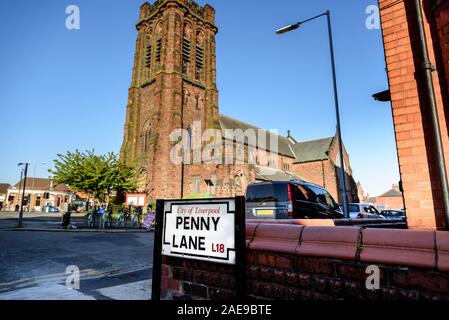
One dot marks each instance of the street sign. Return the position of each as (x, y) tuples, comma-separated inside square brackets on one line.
[(210, 230), (136, 199), (200, 230)]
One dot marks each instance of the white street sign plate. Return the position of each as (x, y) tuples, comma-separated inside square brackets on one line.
[(200, 230)]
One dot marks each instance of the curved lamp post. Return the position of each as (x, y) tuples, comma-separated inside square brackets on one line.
[(337, 109)]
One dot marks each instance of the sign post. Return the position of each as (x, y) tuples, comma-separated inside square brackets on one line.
[(210, 230)]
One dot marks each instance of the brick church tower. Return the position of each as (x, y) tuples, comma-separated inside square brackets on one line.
[(173, 85)]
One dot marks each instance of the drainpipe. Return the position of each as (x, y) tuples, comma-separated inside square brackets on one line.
[(427, 69)]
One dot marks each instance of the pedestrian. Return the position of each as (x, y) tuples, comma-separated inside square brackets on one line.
[(101, 213)]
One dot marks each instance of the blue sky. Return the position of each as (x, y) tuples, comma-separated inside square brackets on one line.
[(64, 90)]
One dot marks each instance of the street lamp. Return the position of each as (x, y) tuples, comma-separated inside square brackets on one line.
[(23, 193), (337, 109)]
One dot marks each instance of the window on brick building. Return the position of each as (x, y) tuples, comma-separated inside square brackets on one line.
[(38, 201), (189, 137), (199, 61), (158, 50), (145, 137), (185, 56), (148, 56), (197, 102)]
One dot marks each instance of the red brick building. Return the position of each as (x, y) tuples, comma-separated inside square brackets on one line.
[(174, 86), (390, 200), (39, 192), (411, 105)]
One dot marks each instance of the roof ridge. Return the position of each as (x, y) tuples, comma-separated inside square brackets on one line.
[(314, 140), (252, 125)]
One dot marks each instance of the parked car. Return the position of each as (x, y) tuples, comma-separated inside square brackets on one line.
[(363, 210), (393, 214), (50, 209), (290, 200)]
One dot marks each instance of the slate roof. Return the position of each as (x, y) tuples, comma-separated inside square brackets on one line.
[(391, 193), (301, 151), (271, 174), (42, 184), (4, 188), (312, 150), (284, 145)]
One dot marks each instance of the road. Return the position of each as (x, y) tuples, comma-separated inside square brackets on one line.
[(112, 265)]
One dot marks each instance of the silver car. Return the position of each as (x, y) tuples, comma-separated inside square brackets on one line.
[(363, 211)]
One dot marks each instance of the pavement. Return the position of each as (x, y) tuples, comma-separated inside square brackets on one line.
[(112, 265), (39, 221)]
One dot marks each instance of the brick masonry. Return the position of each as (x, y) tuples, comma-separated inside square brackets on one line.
[(166, 94), (413, 132), (295, 262)]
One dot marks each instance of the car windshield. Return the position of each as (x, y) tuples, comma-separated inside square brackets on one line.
[(266, 192), (353, 208)]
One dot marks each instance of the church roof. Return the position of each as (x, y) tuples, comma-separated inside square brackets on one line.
[(284, 145), (391, 193), (312, 150), (306, 151), (271, 174)]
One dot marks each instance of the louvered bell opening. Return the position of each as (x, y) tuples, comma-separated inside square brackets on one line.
[(199, 61), (158, 50), (186, 50), (148, 57), (199, 58)]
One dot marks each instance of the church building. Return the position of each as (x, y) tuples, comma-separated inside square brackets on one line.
[(173, 102)]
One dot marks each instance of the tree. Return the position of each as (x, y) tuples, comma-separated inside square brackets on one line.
[(95, 175)]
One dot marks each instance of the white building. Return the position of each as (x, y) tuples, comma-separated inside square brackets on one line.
[(39, 192)]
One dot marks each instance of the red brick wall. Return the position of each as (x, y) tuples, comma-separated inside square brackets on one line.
[(411, 118), (389, 203), (324, 173), (312, 263), (442, 26)]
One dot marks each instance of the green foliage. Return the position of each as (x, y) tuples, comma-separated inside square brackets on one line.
[(116, 208), (95, 175)]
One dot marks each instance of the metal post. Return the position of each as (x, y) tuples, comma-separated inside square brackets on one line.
[(23, 196), (337, 111), (20, 189)]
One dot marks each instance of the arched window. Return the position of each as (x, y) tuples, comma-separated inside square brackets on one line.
[(198, 102), (145, 137), (148, 52), (158, 53), (186, 48), (189, 141), (199, 56), (186, 97)]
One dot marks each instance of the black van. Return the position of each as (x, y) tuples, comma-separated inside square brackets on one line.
[(290, 200)]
